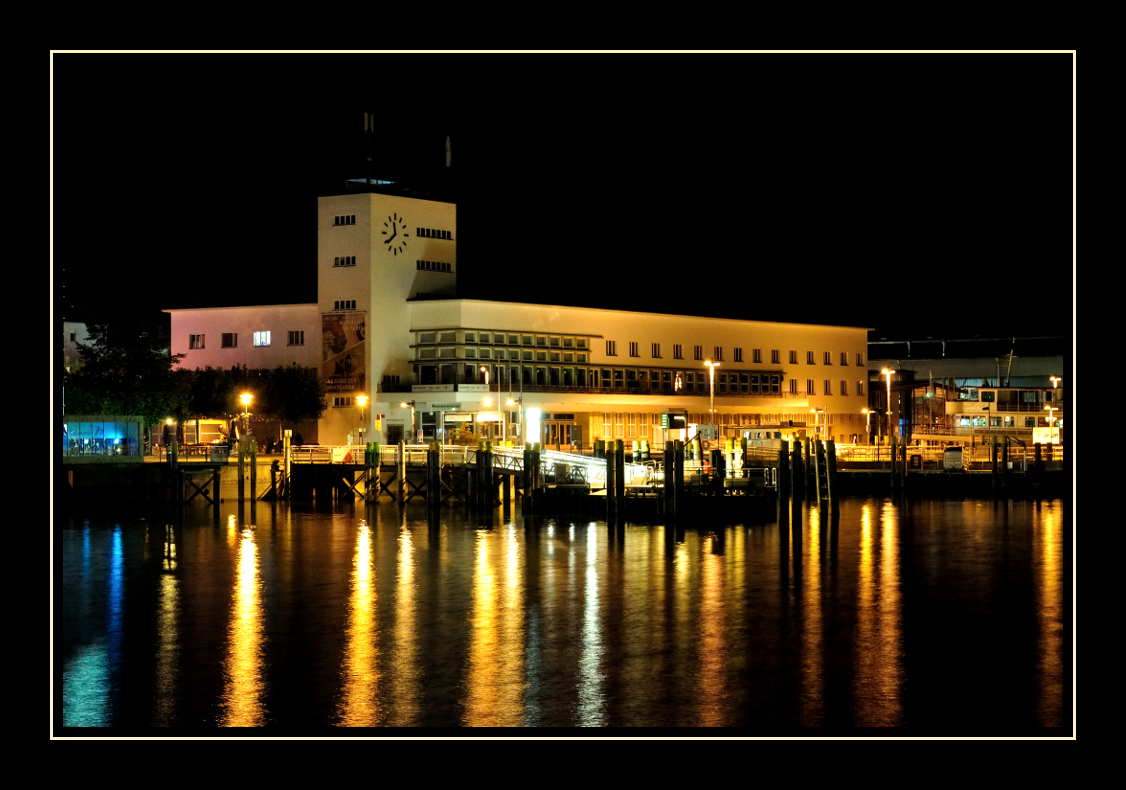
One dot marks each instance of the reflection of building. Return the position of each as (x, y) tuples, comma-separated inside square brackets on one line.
[(392, 329), (967, 391)]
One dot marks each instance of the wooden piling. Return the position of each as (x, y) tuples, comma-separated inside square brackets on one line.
[(253, 471), (619, 475), (241, 469), (809, 467), (1005, 464), (797, 473), (401, 470), (831, 469)]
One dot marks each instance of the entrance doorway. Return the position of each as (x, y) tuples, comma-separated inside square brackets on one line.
[(558, 435)]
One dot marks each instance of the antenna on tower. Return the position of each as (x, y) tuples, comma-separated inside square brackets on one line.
[(369, 131)]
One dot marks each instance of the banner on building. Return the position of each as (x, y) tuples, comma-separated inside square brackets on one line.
[(345, 353)]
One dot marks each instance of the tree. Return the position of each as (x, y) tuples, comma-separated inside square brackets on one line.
[(127, 370), (292, 394)]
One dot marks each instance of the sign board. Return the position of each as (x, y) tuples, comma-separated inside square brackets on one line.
[(444, 407), (707, 431)]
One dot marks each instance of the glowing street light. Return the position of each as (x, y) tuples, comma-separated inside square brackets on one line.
[(711, 375), (1050, 409), (1055, 381), (411, 404), (362, 400), (887, 372), (246, 398), (485, 370), (867, 424)]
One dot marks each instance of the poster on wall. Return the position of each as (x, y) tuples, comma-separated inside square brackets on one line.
[(343, 359)]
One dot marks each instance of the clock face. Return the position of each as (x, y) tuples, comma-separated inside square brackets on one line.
[(394, 233)]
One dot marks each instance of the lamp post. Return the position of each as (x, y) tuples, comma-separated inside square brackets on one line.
[(816, 421), (711, 376), (485, 370), (867, 425), (414, 436), (1055, 381), (887, 372), (514, 402), (1050, 409), (363, 401), (246, 398)]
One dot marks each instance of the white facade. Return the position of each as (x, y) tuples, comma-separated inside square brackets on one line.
[(259, 337), (392, 330)]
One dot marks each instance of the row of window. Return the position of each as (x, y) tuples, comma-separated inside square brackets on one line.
[(502, 338), (344, 304), (827, 387), (527, 355), (717, 354), (431, 233), (346, 219), (344, 260), (623, 425), (295, 337), (434, 266)]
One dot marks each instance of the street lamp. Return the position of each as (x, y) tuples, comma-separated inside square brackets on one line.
[(246, 397), (867, 425), (514, 402), (711, 376), (887, 372), (485, 370), (414, 437), (1055, 381), (362, 400), (1050, 409), (816, 421)]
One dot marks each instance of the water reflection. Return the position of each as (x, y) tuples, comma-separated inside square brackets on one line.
[(495, 682), (359, 706), (712, 626), (242, 702), (1048, 557), (878, 648), (813, 680), (591, 698), (538, 622), (166, 679)]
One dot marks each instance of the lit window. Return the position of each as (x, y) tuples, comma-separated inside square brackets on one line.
[(261, 339)]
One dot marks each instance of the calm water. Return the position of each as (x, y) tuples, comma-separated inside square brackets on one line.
[(933, 617)]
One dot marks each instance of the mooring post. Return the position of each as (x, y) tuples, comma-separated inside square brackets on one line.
[(254, 470), (241, 469), (809, 468), (619, 475), (831, 468), (816, 464), (1005, 464), (678, 477), (611, 479), (993, 460), (1038, 459), (797, 473), (431, 474), (401, 469), (287, 438)]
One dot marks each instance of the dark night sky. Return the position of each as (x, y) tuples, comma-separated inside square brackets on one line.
[(917, 194)]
